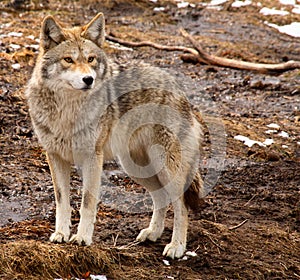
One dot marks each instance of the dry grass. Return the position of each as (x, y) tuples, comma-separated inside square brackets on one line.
[(37, 260)]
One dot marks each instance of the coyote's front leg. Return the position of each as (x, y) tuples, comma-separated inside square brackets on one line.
[(91, 173), (60, 172), (176, 248)]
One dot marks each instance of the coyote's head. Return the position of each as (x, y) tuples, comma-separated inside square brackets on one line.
[(72, 58)]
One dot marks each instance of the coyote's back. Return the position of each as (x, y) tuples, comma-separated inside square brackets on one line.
[(85, 109)]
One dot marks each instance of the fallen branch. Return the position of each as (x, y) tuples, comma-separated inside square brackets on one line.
[(197, 54), (236, 64), (150, 44)]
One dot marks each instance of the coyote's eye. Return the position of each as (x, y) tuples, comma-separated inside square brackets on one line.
[(91, 59), (68, 59)]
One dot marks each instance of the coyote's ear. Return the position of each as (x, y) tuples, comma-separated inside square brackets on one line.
[(95, 30), (51, 33)]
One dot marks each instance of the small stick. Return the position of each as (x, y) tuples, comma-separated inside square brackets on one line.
[(239, 225), (129, 245), (198, 247), (250, 200), (115, 239), (215, 243)]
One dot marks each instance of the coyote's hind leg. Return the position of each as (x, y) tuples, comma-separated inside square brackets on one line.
[(156, 226)]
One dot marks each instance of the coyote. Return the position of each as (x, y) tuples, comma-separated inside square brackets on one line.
[(86, 109)]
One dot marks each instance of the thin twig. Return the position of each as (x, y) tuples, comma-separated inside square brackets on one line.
[(250, 199), (115, 239), (129, 245), (239, 225), (215, 243), (198, 247), (207, 234)]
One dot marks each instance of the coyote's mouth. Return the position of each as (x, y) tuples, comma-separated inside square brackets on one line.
[(86, 88)]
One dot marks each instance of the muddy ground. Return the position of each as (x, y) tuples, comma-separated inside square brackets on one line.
[(250, 225)]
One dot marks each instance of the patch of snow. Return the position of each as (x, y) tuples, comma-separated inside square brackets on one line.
[(98, 277), (241, 138), (16, 66), (217, 2), (285, 146), (284, 134), (183, 5), (296, 9), (287, 2), (159, 9), (15, 46), (268, 142), (270, 131), (272, 12), (292, 29), (166, 262), (238, 3), (273, 125), (33, 46), (31, 37), (5, 25), (249, 142), (15, 34), (191, 254)]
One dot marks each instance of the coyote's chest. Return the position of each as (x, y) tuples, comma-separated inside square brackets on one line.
[(54, 123)]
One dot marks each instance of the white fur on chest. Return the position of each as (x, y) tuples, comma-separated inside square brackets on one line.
[(54, 124)]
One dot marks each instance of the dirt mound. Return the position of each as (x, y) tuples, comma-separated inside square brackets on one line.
[(37, 260)]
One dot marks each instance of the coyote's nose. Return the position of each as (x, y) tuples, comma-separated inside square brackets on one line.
[(88, 80)]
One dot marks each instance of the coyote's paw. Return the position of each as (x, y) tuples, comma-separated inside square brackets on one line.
[(81, 240), (174, 250), (149, 234), (59, 237)]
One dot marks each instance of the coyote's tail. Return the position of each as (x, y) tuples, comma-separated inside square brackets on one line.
[(193, 196)]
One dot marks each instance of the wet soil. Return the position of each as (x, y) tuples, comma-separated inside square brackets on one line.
[(250, 225)]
